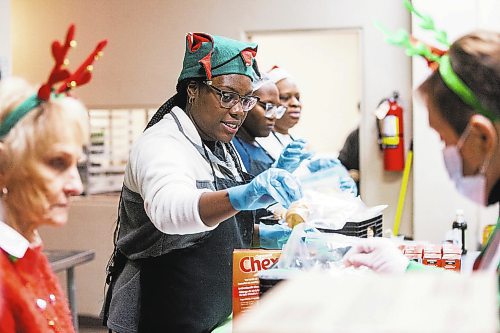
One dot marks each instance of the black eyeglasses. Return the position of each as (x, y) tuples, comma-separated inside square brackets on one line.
[(228, 99), (271, 109)]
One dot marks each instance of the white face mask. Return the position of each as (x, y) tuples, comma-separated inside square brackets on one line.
[(472, 187)]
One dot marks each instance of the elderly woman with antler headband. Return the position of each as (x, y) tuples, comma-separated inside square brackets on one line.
[(41, 140), (187, 202), (462, 96)]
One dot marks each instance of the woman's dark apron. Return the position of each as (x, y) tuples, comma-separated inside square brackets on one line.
[(258, 166), (190, 290), (177, 283)]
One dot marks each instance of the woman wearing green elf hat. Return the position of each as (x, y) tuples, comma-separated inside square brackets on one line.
[(463, 100), (186, 202)]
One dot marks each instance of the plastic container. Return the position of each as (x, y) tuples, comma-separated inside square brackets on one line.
[(363, 229), (458, 228), (269, 220)]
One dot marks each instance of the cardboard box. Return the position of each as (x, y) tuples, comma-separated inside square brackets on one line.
[(452, 257), (246, 263), (432, 255), (414, 252)]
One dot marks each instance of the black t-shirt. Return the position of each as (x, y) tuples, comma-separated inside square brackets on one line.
[(494, 196), (349, 155)]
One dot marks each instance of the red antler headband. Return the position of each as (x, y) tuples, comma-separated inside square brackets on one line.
[(58, 74)]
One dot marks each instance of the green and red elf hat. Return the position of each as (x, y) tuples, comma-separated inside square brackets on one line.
[(59, 75), (208, 56), (437, 58)]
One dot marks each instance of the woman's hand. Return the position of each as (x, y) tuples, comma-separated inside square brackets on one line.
[(272, 185), (293, 154), (273, 236), (346, 183), (379, 254)]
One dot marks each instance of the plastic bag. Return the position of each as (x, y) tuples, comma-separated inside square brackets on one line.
[(325, 206), (307, 248)]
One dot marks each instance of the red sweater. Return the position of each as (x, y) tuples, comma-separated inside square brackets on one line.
[(31, 299)]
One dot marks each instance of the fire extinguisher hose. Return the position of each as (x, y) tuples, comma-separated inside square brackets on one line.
[(402, 191)]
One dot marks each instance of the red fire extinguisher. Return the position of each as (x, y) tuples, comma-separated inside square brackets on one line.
[(390, 128)]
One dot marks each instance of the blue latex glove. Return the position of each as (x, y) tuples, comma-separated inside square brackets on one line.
[(327, 163), (347, 184), (293, 154), (272, 185), (273, 236)]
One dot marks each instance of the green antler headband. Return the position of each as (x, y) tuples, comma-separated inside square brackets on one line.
[(453, 81), (436, 58), (58, 74)]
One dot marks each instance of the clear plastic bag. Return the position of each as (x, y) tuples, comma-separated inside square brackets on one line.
[(307, 248), (325, 206)]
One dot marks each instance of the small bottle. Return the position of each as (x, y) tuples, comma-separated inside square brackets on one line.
[(459, 226)]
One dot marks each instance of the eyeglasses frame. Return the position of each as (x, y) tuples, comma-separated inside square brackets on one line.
[(221, 92), (276, 107)]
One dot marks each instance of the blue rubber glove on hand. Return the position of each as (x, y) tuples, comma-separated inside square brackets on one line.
[(327, 163), (267, 188), (293, 154), (346, 183), (273, 236)]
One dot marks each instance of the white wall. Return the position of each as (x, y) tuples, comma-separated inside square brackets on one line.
[(5, 43), (143, 60), (329, 106), (436, 198)]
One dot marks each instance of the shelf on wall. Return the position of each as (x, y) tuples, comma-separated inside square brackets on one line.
[(112, 134)]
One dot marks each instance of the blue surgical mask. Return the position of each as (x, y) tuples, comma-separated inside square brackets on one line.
[(472, 187)]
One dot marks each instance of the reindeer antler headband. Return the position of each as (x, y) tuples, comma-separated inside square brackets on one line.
[(436, 58), (58, 74)]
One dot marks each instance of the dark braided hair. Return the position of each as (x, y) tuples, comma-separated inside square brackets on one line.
[(179, 99)]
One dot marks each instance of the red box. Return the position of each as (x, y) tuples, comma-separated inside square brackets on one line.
[(432, 255), (246, 263), (414, 252), (452, 257)]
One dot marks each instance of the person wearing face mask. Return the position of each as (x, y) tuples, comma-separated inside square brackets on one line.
[(42, 133), (463, 101), (186, 201)]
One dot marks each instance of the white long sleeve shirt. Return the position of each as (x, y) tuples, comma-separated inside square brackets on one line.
[(164, 168), (274, 143)]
